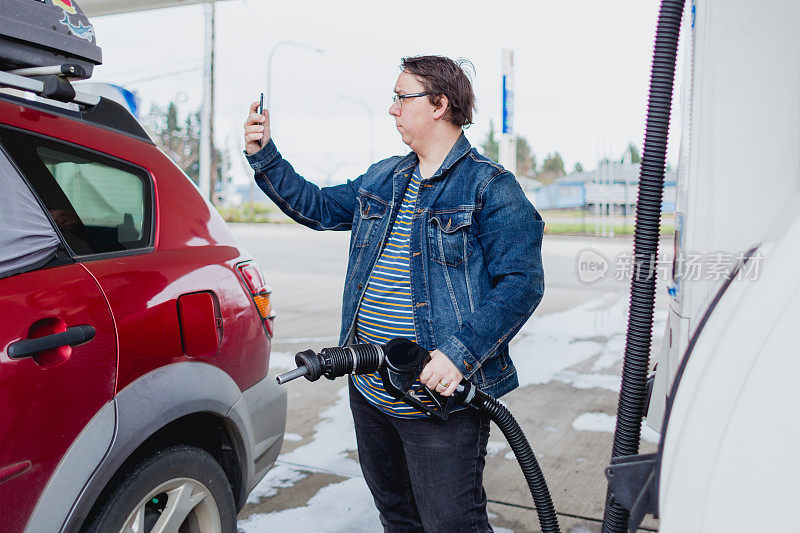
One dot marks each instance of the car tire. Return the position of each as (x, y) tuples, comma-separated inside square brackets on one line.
[(179, 489)]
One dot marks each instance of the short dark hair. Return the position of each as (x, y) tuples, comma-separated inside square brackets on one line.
[(442, 76)]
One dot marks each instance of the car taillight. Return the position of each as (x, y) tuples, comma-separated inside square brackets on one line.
[(259, 291)]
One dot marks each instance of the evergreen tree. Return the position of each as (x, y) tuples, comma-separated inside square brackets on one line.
[(180, 140), (526, 159), (553, 164), (633, 150), (491, 146)]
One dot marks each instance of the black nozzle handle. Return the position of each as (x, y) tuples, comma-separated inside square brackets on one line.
[(292, 374)]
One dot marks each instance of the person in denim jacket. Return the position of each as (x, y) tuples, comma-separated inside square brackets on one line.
[(471, 241)]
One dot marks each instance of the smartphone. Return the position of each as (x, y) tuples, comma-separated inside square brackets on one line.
[(261, 112)]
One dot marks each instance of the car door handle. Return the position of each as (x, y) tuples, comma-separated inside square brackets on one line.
[(73, 336)]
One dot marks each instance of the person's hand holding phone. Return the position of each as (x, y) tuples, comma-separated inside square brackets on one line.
[(256, 129)]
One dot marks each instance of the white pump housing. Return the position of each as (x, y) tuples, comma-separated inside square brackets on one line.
[(728, 461)]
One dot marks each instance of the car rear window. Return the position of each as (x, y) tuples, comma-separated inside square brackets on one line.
[(99, 204)]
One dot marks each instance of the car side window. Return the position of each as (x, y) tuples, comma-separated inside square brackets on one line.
[(99, 204)]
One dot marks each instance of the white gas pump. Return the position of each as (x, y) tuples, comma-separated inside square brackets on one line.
[(738, 178), (722, 396), (726, 451)]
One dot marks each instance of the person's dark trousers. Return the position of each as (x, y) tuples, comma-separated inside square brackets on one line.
[(425, 475)]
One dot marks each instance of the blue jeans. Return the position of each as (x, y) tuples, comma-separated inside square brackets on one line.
[(425, 475)]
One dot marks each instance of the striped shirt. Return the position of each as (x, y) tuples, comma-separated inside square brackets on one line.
[(385, 311)]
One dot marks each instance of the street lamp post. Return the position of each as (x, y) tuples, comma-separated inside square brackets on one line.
[(268, 100), (204, 181), (371, 125), (269, 63)]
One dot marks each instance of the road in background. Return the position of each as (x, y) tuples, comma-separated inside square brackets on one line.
[(568, 357)]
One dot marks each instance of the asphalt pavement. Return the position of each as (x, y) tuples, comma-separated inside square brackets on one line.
[(568, 356)]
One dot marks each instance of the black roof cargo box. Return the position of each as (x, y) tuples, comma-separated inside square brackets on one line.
[(43, 33)]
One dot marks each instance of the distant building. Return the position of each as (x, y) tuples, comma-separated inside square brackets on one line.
[(611, 188)]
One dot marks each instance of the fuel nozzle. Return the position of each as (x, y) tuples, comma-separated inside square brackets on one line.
[(399, 363), (335, 362)]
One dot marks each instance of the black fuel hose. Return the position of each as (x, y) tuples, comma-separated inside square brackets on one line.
[(633, 390), (537, 485)]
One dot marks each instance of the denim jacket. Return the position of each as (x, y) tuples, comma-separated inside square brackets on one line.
[(476, 265)]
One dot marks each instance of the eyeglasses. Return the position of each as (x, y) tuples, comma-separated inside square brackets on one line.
[(398, 98)]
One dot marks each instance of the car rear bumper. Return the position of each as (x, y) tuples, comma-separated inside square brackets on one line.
[(260, 413)]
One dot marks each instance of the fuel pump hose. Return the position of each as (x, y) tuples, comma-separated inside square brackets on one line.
[(633, 389), (537, 485)]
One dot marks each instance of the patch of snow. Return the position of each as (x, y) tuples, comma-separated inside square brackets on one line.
[(279, 477), (494, 447), (293, 437), (495, 528), (605, 423), (612, 352), (333, 438), (281, 360), (549, 345), (610, 382), (649, 434), (345, 506), (594, 422)]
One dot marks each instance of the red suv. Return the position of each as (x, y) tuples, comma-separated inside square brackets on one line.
[(134, 332)]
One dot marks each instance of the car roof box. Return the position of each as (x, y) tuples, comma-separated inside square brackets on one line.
[(45, 36)]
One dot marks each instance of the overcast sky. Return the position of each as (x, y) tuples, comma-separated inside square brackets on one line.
[(581, 71)]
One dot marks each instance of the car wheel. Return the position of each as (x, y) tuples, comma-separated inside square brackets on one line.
[(181, 489)]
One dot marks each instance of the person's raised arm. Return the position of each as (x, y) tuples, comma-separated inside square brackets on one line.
[(329, 208)]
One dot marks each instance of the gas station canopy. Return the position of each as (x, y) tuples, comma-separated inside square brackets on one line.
[(95, 8)]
